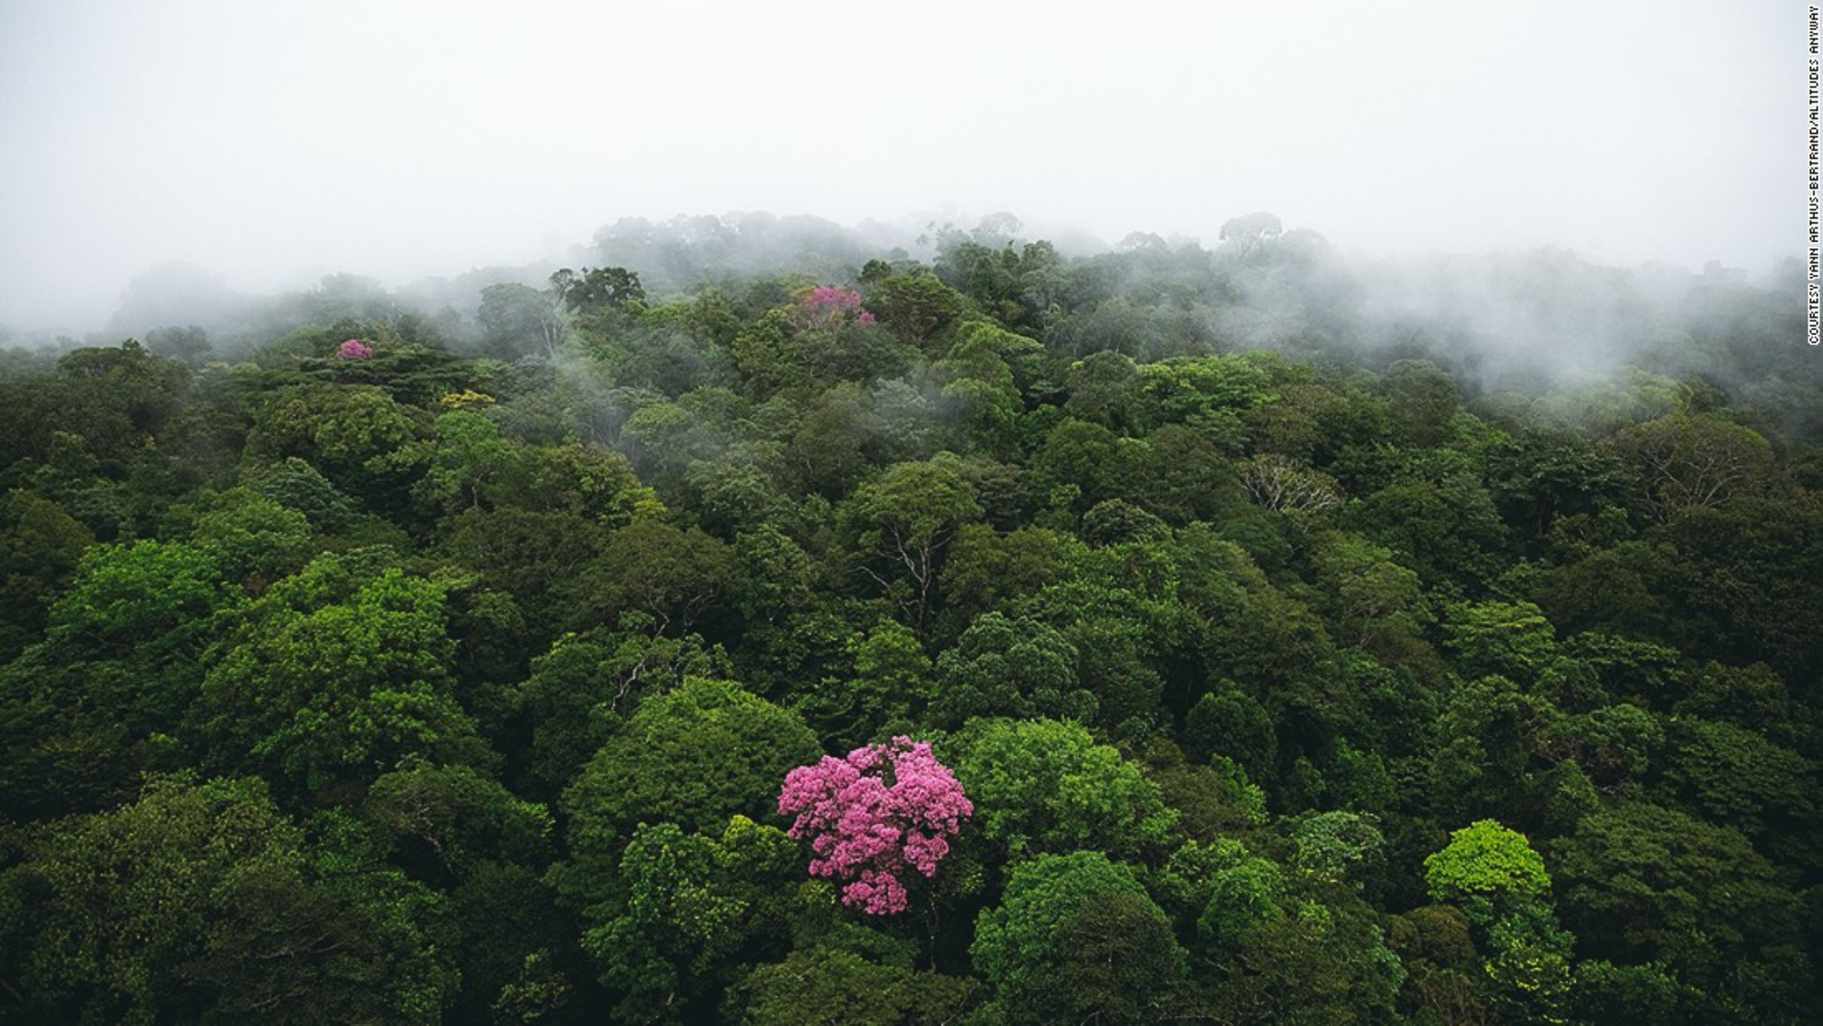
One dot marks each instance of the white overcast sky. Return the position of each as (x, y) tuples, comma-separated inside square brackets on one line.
[(266, 139)]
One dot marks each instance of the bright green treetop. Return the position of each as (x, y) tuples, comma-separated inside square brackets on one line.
[(1486, 860)]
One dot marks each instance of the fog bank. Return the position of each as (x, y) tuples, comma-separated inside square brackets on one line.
[(272, 143)]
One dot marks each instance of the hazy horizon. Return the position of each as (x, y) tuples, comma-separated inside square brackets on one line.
[(273, 143)]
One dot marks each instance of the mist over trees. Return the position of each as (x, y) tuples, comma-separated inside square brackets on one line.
[(756, 620), (1516, 322)]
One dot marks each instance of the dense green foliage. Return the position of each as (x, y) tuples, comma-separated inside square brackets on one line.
[(1297, 671)]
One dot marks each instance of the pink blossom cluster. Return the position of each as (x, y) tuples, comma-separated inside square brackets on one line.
[(827, 305), (871, 815), (354, 349)]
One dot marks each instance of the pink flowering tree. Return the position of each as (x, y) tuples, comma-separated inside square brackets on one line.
[(871, 816), (354, 349), (828, 306)]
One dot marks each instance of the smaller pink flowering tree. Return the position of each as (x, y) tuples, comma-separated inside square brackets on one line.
[(828, 306), (871, 816), (354, 349)]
